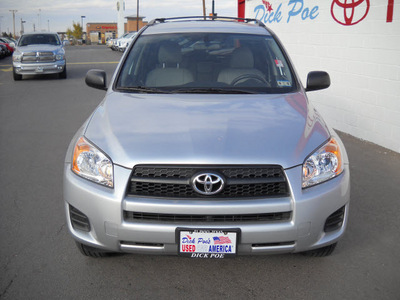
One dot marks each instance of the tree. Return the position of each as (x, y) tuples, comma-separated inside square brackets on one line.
[(76, 32)]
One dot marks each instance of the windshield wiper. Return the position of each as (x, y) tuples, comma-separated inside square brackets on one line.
[(212, 91), (150, 90), (142, 89)]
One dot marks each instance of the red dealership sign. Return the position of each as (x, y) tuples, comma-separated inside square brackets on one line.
[(349, 12)]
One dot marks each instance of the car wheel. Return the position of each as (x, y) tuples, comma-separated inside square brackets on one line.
[(16, 76), (90, 251), (321, 252), (63, 74)]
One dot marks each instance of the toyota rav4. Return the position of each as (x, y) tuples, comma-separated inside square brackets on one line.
[(206, 145)]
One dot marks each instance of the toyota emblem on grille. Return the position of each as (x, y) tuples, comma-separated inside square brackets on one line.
[(208, 183)]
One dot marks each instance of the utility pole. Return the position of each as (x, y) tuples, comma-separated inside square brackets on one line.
[(39, 21), (120, 9), (137, 15), (14, 11), (22, 26), (48, 25), (82, 17), (204, 9)]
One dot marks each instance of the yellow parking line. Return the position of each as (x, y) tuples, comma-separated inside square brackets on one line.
[(6, 70), (93, 63)]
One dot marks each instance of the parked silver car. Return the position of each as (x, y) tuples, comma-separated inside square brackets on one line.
[(39, 53), (115, 42), (205, 145), (124, 42)]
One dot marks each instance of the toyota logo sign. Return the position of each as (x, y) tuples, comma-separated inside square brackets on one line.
[(208, 183)]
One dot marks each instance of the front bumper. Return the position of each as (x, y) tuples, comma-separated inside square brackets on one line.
[(104, 207), (39, 68)]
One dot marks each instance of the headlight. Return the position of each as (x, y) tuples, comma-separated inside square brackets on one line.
[(17, 56), (92, 164), (323, 165), (60, 55)]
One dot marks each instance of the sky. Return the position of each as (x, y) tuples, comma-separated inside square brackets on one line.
[(58, 15)]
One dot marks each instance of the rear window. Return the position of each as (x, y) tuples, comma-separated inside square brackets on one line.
[(184, 62)]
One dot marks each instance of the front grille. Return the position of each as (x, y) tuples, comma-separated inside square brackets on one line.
[(29, 58), (240, 181), (38, 57), (46, 56), (131, 217), (30, 53)]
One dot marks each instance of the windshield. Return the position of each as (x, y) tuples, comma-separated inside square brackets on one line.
[(130, 35), (39, 39), (206, 62), (125, 35)]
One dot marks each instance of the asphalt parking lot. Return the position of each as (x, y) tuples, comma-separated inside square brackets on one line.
[(39, 260)]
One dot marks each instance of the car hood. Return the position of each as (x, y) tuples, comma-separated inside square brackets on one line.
[(206, 129), (38, 48)]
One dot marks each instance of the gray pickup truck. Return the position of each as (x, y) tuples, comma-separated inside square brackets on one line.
[(39, 53)]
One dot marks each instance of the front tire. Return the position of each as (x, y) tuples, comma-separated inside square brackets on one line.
[(16, 76), (63, 74), (90, 251), (321, 252)]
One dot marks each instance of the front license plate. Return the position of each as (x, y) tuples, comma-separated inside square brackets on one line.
[(39, 70), (208, 243)]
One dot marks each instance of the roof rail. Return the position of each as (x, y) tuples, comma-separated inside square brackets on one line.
[(206, 18)]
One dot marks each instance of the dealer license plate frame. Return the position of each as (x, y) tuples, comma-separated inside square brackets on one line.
[(208, 233)]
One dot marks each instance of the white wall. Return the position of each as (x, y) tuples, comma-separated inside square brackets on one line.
[(363, 60)]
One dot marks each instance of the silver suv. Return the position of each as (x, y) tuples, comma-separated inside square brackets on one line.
[(39, 53), (206, 146)]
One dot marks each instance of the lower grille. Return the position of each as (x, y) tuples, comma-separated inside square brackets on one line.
[(273, 244), (155, 245), (131, 217), (335, 220)]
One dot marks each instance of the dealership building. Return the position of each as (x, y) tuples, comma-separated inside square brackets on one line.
[(99, 33)]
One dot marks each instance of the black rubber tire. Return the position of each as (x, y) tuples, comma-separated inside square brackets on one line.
[(16, 76), (90, 251), (63, 74), (321, 252)]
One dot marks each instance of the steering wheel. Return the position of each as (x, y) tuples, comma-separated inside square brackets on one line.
[(250, 76)]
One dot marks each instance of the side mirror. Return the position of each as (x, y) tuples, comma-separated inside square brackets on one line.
[(96, 79), (317, 80)]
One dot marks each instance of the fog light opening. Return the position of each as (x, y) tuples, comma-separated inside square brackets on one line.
[(335, 221), (78, 219)]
